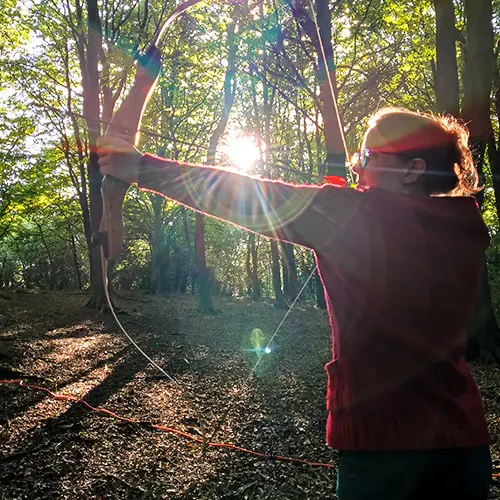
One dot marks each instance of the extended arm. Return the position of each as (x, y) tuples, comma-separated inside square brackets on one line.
[(307, 215), (311, 216)]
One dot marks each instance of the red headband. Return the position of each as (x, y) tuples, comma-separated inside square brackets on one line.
[(421, 139)]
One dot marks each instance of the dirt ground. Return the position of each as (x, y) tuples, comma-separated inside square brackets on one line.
[(55, 448)]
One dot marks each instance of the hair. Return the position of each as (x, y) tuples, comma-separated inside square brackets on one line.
[(440, 140)]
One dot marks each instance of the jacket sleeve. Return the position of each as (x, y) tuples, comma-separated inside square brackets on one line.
[(311, 216)]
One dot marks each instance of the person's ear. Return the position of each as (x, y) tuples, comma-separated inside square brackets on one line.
[(415, 168)]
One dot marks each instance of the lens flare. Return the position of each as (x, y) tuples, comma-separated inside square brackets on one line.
[(258, 340), (241, 150)]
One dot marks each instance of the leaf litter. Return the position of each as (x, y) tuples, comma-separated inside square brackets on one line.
[(52, 448)]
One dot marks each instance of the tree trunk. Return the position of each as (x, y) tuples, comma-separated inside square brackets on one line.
[(446, 74), (290, 279), (252, 267), (320, 291), (3, 273), (205, 303), (204, 274), (275, 267), (284, 272), (478, 79), (51, 278), (189, 264), (265, 157), (483, 333), (493, 149), (74, 258), (157, 246), (91, 112), (248, 268), (483, 340), (79, 182)]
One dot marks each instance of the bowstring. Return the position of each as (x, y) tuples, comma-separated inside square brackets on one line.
[(330, 83), (346, 153), (269, 344), (105, 262), (278, 164), (182, 390)]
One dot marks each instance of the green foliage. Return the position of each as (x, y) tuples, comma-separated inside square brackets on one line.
[(13, 33), (383, 51)]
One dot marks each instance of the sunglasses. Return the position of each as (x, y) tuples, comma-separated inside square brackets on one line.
[(361, 158)]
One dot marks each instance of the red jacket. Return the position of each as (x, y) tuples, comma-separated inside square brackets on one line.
[(400, 273)]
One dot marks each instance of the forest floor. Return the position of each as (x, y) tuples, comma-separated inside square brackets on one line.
[(56, 448)]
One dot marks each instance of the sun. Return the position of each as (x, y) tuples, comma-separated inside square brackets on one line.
[(241, 150)]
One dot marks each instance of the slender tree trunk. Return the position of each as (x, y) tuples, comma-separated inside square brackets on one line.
[(191, 269), (483, 341), (285, 274), (74, 258), (91, 111), (157, 241), (3, 273), (483, 334), (493, 146), (79, 182), (51, 278), (320, 291), (252, 267), (265, 157), (478, 76), (248, 268), (290, 279), (205, 275), (157, 246), (256, 291), (276, 275), (446, 74)]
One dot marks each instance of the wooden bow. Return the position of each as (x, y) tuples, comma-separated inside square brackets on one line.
[(125, 124)]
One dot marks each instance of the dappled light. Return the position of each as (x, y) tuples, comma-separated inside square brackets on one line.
[(206, 360), (250, 250)]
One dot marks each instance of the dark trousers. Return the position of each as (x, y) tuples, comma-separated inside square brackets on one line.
[(454, 474)]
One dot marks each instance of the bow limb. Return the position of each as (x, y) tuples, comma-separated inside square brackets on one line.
[(125, 124)]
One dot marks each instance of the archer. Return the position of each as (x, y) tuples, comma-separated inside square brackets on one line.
[(400, 258)]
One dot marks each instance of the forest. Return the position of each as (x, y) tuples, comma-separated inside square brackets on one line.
[(234, 323)]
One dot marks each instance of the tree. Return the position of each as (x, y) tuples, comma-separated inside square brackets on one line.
[(90, 86), (262, 126), (446, 69), (157, 246), (252, 267), (204, 274), (290, 279), (484, 334)]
